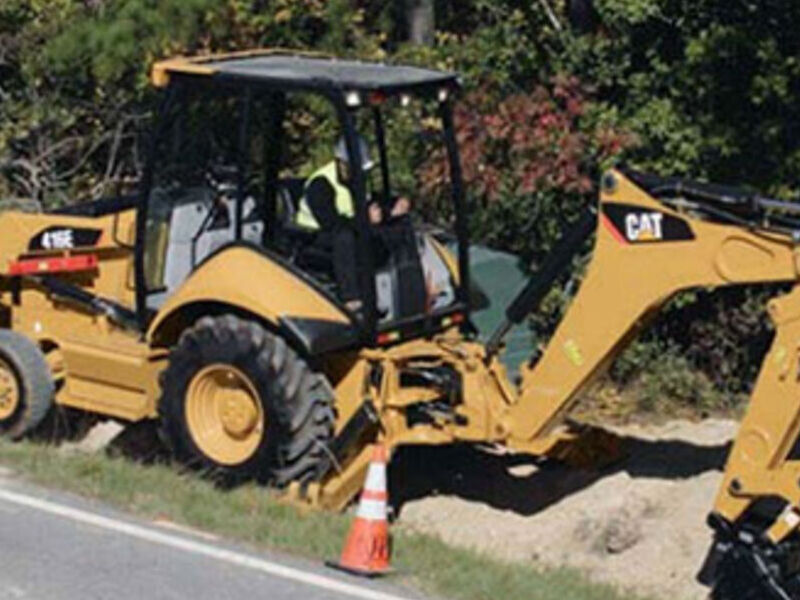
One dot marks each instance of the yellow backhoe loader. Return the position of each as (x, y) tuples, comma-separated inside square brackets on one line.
[(200, 303)]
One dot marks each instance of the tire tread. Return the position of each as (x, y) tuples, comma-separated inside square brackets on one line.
[(298, 398)]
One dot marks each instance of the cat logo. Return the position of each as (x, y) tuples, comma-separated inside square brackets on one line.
[(643, 227), (632, 224)]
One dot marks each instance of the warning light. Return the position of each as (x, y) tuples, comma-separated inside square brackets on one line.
[(353, 99), (376, 98), (453, 319)]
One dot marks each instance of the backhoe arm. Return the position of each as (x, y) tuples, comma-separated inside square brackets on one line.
[(645, 252), (765, 458)]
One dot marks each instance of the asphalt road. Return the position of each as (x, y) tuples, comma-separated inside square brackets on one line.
[(57, 547)]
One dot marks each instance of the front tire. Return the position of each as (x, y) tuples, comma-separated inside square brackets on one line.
[(238, 403), (26, 385)]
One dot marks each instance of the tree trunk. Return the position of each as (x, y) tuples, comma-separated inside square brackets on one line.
[(421, 21), (582, 16)]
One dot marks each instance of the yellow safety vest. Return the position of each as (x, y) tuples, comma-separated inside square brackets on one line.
[(343, 198)]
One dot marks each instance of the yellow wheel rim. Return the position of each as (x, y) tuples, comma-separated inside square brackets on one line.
[(224, 414), (9, 391)]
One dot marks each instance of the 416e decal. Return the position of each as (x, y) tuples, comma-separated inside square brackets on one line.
[(64, 238)]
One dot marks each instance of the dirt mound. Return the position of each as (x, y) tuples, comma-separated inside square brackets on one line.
[(639, 525)]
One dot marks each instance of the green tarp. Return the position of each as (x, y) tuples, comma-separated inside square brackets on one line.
[(500, 276)]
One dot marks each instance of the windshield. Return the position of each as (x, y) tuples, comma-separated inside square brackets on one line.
[(406, 136)]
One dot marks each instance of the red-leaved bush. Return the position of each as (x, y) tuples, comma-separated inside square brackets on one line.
[(527, 143)]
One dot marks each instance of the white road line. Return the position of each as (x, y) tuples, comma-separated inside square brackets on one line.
[(157, 537)]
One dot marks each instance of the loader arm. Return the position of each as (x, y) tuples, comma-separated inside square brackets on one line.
[(645, 252)]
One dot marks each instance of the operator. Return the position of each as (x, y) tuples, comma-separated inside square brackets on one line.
[(327, 207)]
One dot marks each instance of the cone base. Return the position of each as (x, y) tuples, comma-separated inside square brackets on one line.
[(368, 574)]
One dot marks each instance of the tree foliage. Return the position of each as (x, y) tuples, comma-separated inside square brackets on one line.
[(530, 161), (707, 88)]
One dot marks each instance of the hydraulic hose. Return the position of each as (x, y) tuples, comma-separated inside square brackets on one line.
[(540, 284)]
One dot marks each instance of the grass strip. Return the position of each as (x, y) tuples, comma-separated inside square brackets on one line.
[(251, 515)]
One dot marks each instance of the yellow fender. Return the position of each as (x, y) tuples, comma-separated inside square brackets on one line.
[(245, 279)]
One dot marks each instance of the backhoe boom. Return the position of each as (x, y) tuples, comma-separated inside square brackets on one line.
[(645, 253)]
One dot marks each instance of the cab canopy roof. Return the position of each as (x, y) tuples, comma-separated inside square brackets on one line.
[(282, 69)]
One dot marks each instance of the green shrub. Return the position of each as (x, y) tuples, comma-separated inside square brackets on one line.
[(660, 379), (704, 88)]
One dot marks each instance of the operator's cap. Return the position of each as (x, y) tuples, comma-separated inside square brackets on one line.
[(340, 152)]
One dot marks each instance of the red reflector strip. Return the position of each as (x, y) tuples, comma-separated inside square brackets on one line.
[(453, 319), (66, 264), (388, 337)]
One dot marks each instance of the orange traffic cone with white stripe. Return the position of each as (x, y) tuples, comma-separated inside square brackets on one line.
[(366, 551)]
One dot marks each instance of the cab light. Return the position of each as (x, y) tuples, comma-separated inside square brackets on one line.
[(352, 99)]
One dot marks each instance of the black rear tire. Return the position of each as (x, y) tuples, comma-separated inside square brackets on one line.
[(296, 401), (35, 388)]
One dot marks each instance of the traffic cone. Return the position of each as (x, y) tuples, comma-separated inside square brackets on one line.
[(366, 551)]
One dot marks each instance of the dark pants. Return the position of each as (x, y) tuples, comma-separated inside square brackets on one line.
[(399, 241), (394, 241), (345, 260)]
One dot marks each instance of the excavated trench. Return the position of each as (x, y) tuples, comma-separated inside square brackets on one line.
[(639, 525)]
